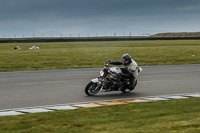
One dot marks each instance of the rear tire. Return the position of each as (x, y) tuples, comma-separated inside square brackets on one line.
[(134, 85), (127, 90), (92, 88)]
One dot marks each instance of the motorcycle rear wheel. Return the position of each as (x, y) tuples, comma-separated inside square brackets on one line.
[(125, 90), (134, 85), (92, 88)]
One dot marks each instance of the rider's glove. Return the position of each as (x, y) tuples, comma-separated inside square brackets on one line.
[(108, 62)]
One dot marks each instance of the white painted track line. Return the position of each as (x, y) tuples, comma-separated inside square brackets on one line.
[(48, 108)]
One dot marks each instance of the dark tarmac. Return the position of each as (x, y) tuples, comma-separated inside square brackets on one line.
[(50, 87)]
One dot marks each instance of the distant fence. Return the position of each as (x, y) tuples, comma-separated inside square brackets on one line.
[(35, 40)]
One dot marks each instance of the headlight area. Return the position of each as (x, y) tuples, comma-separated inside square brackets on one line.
[(101, 73)]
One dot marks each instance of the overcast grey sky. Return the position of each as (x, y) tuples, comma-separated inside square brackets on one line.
[(23, 18)]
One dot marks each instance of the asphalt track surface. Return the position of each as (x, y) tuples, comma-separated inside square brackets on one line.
[(50, 87)]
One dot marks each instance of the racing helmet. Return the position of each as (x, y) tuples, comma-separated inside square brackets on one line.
[(126, 59)]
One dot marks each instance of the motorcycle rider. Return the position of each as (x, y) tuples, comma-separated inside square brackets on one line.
[(129, 71)]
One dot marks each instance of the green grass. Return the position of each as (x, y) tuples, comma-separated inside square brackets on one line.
[(62, 55), (174, 116)]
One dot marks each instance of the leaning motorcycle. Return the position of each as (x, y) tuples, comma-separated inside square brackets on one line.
[(108, 80)]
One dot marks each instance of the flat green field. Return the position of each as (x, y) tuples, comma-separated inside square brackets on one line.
[(174, 116), (63, 55)]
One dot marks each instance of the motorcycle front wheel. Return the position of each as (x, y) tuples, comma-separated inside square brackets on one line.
[(92, 88)]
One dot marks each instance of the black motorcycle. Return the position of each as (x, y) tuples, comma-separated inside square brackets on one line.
[(109, 80)]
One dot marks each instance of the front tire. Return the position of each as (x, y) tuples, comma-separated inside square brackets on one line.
[(92, 88)]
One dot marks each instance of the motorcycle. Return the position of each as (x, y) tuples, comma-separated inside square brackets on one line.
[(108, 80)]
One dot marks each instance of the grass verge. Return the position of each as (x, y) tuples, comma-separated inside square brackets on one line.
[(153, 117), (62, 55)]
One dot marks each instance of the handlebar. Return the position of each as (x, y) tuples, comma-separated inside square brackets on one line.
[(106, 64)]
